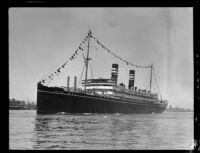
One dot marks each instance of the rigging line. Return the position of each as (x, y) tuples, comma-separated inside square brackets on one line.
[(91, 71), (69, 68), (128, 63), (61, 63), (65, 69), (65, 61), (157, 83), (153, 88), (50, 71), (81, 75), (54, 68), (147, 82), (72, 67), (93, 67)]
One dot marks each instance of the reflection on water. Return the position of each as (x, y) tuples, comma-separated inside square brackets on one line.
[(100, 131)]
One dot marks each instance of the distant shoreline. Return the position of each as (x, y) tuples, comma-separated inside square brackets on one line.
[(179, 111), (21, 105), (21, 109), (164, 111)]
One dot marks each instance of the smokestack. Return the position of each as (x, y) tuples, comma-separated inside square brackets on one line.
[(75, 80), (131, 79), (68, 82), (114, 74)]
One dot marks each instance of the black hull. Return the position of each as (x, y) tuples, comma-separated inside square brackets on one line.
[(53, 102)]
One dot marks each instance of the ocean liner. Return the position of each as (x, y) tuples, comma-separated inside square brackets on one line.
[(97, 95)]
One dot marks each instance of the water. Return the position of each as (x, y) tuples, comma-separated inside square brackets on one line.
[(169, 130)]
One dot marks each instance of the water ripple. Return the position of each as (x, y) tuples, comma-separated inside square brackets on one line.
[(99, 131)]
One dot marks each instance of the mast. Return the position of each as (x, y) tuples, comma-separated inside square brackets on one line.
[(87, 59), (151, 76)]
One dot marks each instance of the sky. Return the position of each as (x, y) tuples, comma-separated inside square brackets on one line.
[(42, 39)]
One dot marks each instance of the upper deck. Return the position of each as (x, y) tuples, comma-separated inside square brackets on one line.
[(109, 87)]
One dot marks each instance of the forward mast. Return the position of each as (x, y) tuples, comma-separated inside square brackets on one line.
[(87, 59)]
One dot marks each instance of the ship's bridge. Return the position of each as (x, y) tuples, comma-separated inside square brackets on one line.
[(99, 86)]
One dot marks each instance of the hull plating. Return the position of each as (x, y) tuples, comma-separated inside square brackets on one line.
[(51, 102)]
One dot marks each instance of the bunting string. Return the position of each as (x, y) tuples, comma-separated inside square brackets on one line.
[(71, 58), (116, 56), (76, 53)]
